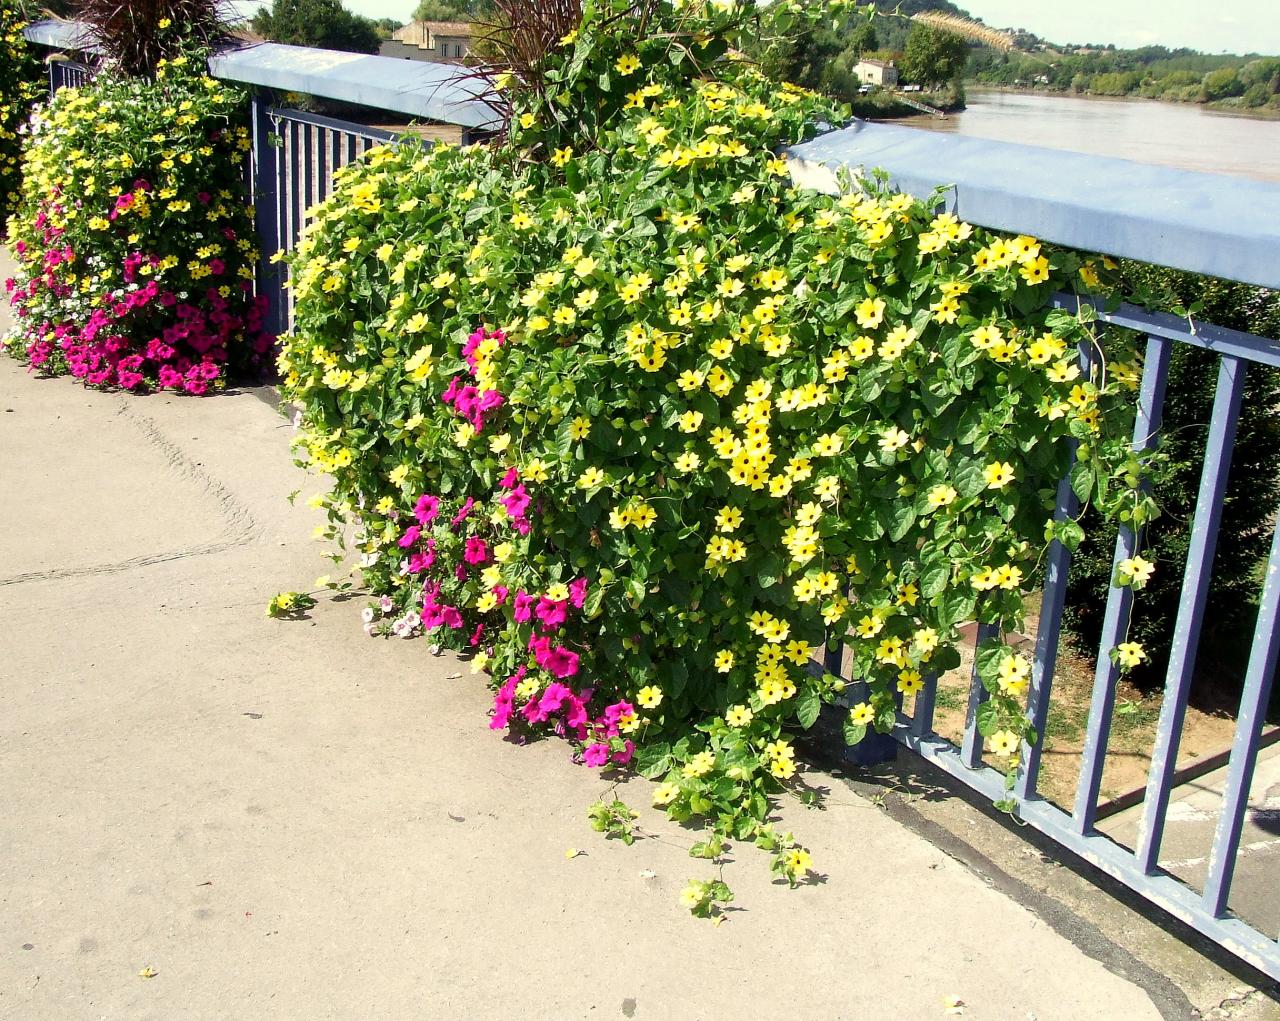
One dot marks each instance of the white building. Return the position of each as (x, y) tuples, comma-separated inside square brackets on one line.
[(876, 72)]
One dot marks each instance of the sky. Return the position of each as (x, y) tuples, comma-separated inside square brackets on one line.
[(1236, 26)]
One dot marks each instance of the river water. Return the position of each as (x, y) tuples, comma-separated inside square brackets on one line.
[(1174, 134)]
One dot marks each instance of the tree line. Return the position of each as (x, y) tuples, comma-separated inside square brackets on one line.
[(1154, 72)]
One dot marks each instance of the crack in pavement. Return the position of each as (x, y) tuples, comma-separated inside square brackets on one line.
[(240, 528)]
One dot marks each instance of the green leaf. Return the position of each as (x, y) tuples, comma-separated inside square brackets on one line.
[(988, 718), (969, 478), (653, 760), (934, 578), (808, 706), (853, 732)]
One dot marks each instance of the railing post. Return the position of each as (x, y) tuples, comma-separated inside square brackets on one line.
[(875, 749), (266, 205)]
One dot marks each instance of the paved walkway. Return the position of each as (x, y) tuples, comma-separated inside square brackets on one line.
[(289, 820)]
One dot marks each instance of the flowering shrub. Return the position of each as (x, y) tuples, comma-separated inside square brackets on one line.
[(645, 426), (135, 245), (20, 87)]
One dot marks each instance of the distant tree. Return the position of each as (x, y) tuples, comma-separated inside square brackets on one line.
[(1221, 84), (1263, 71), (322, 23), (932, 57), (458, 10), (862, 39)]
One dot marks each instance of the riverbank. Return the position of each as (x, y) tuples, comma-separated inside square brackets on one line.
[(883, 105), (1223, 106)]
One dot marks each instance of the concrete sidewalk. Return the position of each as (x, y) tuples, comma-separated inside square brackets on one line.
[(289, 820)]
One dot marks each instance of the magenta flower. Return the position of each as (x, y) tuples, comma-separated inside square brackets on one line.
[(554, 697), (476, 552), (623, 757), (523, 608), (560, 662), (427, 509), (463, 511), (510, 479), (576, 716), (410, 536), (550, 612), (596, 754), (578, 592), (516, 502)]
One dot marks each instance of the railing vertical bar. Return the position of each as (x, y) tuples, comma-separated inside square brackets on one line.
[(1258, 679), (296, 204), (266, 162), (1195, 593), (1120, 597), (308, 171), (922, 713), (1046, 655), (351, 147), (971, 748), (1052, 601)]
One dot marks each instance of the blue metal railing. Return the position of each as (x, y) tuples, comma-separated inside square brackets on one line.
[(67, 73), (1223, 227), (1139, 868), (294, 159)]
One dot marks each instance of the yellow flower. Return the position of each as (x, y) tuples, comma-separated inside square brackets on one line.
[(941, 496), (728, 519), (690, 421), (828, 444), (620, 518), (1136, 571), (1129, 654), (862, 713), (1014, 674), (783, 769), (998, 474), (1036, 271), (739, 716), (1004, 743), (909, 681), (649, 697), (591, 478), (798, 860), (580, 428), (628, 63), (561, 156), (870, 312), (643, 516), (893, 439), (665, 793), (700, 765), (724, 661)]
